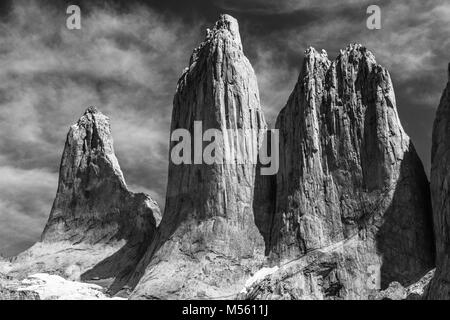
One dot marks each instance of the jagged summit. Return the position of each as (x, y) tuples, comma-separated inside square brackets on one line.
[(355, 47), (225, 33), (352, 52), (92, 109), (226, 27), (351, 47), (351, 192), (228, 23), (312, 51), (357, 52)]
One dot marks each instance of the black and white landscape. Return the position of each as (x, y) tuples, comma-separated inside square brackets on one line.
[(355, 206)]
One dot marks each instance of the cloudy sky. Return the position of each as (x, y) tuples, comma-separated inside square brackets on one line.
[(128, 56)]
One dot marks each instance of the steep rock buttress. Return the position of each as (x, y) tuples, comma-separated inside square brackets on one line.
[(208, 242), (440, 195), (352, 210)]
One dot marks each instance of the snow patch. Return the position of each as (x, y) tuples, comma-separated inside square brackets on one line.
[(52, 287), (258, 276)]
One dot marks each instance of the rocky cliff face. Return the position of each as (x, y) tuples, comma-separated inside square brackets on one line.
[(97, 228), (93, 204), (352, 199), (440, 187), (208, 242), (347, 214)]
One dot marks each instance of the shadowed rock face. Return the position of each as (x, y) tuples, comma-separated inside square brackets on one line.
[(208, 241), (440, 188), (352, 197), (95, 222)]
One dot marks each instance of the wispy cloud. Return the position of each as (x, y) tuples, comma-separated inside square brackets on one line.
[(126, 63), (25, 201)]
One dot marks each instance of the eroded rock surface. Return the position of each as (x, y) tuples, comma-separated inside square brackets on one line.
[(97, 228), (350, 180), (44, 286), (348, 213), (9, 290), (208, 243)]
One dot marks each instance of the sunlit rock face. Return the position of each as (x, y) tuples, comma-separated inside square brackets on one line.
[(208, 242), (352, 210)]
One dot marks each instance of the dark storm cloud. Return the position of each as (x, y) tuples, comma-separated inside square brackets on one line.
[(127, 59)]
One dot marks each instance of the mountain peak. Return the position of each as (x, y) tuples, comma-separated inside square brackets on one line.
[(220, 41), (229, 23), (209, 207), (346, 165), (91, 183), (97, 228), (92, 110), (356, 51)]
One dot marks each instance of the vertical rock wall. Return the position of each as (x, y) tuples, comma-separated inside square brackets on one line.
[(440, 187), (351, 191), (208, 241)]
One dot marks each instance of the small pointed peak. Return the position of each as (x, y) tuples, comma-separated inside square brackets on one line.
[(312, 54), (225, 27), (92, 110), (356, 47), (352, 47), (93, 115), (229, 23), (313, 62), (311, 51), (357, 51)]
